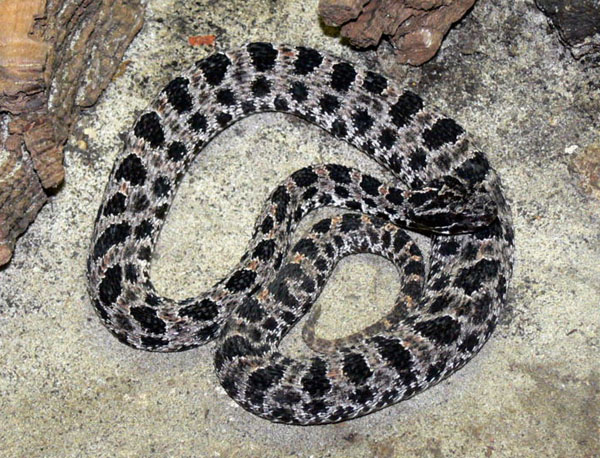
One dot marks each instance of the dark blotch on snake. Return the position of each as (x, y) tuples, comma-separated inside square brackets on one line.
[(178, 94), (407, 105), (148, 319), (356, 369), (307, 60), (197, 122), (150, 129), (214, 68), (132, 170), (113, 235), (203, 310), (110, 286), (115, 205), (374, 83), (261, 87), (263, 56), (444, 131), (342, 77)]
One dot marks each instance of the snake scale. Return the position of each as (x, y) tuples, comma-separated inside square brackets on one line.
[(442, 187)]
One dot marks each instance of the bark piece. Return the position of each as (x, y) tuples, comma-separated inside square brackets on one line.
[(415, 27), (56, 57)]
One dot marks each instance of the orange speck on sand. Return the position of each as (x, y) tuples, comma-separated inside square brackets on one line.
[(202, 40)]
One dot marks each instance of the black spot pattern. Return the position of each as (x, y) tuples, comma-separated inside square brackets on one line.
[(153, 300), (226, 97), (339, 173), (148, 319), (341, 191), (110, 286), (161, 186), (150, 129), (442, 132), (350, 223), (281, 104), (405, 108), (251, 310), (444, 330), (329, 103), (131, 273), (387, 138), (304, 177), (395, 196), (263, 56), (306, 247), (266, 225), (322, 226), (471, 279), (281, 199), (214, 68), (418, 159), (178, 94), (299, 91), (370, 185), (113, 235), (144, 253), (342, 77), (356, 368), (338, 128), (362, 121), (263, 379), (375, 83), (241, 280), (204, 310), (144, 229), (132, 170), (315, 382), (224, 119), (264, 250), (392, 351), (176, 151), (261, 87), (308, 59), (474, 169), (115, 205), (197, 122), (236, 346), (161, 211)]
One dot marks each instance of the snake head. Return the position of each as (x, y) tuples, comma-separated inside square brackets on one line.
[(447, 206)]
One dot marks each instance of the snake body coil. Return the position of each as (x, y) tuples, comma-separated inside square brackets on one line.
[(443, 188)]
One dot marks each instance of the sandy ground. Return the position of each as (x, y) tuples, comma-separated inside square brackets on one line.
[(68, 388)]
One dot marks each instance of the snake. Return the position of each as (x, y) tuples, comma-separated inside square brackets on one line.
[(440, 186)]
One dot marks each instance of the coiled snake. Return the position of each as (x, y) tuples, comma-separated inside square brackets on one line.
[(443, 188)]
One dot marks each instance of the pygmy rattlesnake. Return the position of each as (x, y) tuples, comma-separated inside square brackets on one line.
[(443, 188)]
